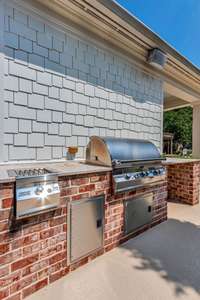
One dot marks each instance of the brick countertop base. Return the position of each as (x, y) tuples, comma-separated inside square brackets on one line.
[(35, 253), (183, 182)]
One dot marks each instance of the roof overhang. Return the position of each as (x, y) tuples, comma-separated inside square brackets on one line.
[(113, 25), (172, 103)]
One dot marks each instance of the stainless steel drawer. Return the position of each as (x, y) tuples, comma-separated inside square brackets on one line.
[(86, 221)]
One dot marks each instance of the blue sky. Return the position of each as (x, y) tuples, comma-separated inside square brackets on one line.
[(176, 21)]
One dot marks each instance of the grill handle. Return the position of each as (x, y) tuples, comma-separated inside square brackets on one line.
[(119, 163)]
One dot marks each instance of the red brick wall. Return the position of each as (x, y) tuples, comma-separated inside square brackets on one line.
[(114, 214), (35, 254), (183, 182)]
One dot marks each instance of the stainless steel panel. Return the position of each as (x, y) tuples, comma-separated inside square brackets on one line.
[(29, 181), (86, 227), (124, 149), (25, 208), (33, 196), (122, 185), (97, 152), (138, 212)]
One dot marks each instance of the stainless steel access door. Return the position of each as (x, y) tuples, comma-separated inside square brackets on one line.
[(138, 212), (85, 227)]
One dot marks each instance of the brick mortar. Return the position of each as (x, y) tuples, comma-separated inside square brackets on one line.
[(35, 254)]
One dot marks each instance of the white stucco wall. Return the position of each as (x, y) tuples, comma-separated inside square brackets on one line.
[(60, 88)]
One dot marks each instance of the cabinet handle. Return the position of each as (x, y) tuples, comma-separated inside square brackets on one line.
[(99, 223)]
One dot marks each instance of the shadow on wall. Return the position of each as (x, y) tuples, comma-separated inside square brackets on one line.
[(112, 73), (173, 250)]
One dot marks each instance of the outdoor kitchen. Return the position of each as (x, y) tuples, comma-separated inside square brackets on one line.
[(56, 217), (81, 164)]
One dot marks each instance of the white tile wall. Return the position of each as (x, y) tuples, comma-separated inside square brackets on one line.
[(59, 90)]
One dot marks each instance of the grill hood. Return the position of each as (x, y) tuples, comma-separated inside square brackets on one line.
[(112, 151)]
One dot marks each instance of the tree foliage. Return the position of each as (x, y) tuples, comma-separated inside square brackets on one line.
[(179, 122)]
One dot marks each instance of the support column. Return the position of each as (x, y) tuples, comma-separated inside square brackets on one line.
[(196, 131)]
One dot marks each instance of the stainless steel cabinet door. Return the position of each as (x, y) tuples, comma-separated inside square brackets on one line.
[(86, 227), (138, 212)]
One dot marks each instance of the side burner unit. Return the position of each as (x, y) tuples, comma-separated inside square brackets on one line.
[(36, 191), (135, 163)]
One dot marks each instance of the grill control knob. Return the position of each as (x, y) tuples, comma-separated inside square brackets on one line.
[(127, 176), (39, 190), (143, 174), (49, 190), (150, 174), (161, 171), (155, 172)]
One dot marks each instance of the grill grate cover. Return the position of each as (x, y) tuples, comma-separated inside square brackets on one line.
[(28, 172)]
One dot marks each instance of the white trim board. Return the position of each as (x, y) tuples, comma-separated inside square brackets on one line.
[(1, 80)]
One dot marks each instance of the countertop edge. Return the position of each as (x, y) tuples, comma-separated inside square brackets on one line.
[(181, 161), (62, 174), (66, 174)]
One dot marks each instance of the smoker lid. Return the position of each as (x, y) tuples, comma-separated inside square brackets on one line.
[(128, 150)]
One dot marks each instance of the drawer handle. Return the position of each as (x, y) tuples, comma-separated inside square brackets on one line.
[(99, 223), (149, 208)]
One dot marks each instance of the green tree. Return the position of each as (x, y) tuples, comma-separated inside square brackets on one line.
[(179, 122)]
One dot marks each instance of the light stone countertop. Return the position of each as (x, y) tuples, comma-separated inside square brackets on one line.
[(69, 168), (63, 168), (174, 161)]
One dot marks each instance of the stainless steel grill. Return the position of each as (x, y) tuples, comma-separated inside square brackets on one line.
[(135, 162)]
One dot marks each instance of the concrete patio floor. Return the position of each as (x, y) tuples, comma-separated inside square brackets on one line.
[(163, 263)]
